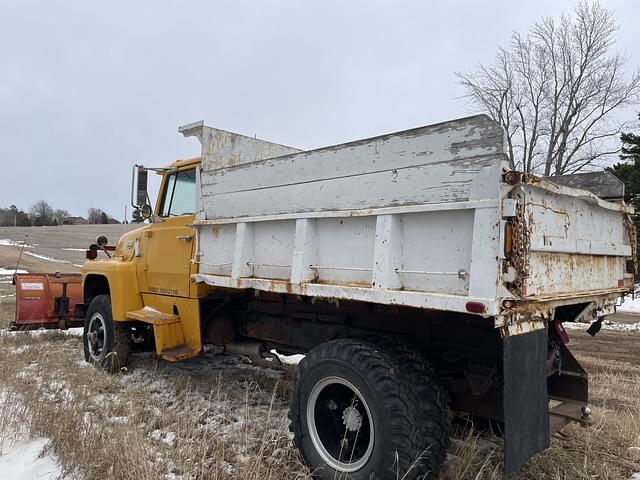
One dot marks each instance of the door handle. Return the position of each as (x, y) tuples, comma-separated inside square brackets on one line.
[(186, 238)]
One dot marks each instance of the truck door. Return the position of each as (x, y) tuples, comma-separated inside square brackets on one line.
[(166, 248)]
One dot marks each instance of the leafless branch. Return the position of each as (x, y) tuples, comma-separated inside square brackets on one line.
[(555, 91)]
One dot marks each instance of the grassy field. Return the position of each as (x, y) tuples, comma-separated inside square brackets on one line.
[(220, 417)]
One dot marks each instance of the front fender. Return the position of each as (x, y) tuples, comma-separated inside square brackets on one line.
[(123, 284)]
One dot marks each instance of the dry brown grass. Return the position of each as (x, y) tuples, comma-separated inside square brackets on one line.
[(218, 417), (7, 309), (155, 422)]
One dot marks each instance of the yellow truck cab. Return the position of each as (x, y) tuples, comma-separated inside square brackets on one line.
[(147, 280)]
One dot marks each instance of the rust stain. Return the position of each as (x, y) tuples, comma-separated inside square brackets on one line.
[(346, 283)]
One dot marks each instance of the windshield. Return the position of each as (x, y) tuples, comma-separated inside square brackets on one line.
[(179, 197)]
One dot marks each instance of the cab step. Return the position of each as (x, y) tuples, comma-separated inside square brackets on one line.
[(178, 353), (152, 316)]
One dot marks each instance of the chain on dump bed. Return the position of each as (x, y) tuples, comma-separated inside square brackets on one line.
[(630, 227), (521, 244)]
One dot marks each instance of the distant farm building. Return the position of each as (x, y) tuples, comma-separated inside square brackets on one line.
[(604, 184), (74, 221)]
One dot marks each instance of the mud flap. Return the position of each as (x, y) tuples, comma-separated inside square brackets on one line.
[(525, 398)]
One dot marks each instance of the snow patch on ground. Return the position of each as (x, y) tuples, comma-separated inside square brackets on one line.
[(74, 332), (28, 460), (5, 242), (166, 437), (121, 420), (24, 458), (7, 271), (635, 476), (20, 349), (288, 359), (630, 305), (43, 257), (606, 325)]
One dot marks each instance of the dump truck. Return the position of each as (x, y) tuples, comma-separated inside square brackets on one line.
[(421, 276)]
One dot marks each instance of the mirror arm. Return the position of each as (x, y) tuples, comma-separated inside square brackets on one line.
[(153, 217)]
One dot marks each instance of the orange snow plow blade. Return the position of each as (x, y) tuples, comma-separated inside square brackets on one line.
[(48, 301)]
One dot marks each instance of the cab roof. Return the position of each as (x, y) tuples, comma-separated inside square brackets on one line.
[(184, 163)]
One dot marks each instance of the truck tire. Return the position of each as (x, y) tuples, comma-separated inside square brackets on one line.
[(355, 412), (106, 343), (432, 398)]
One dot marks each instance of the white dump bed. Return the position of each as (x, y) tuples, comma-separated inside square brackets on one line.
[(415, 218)]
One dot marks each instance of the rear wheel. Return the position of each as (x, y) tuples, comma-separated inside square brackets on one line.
[(355, 412), (106, 343)]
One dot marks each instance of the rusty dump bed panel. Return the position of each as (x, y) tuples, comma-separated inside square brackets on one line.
[(570, 243), (39, 299)]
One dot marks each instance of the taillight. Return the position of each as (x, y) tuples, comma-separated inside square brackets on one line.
[(508, 239), (476, 307)]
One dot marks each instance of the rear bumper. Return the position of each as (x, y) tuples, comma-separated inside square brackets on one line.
[(527, 314)]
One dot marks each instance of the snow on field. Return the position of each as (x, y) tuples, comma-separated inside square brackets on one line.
[(5, 242), (630, 305), (606, 325), (6, 275), (29, 460), (73, 332), (42, 257), (23, 458), (9, 272)]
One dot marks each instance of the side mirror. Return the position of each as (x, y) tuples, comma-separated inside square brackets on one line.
[(141, 191), (139, 180)]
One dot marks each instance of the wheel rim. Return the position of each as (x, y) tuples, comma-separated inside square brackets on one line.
[(96, 336), (340, 424)]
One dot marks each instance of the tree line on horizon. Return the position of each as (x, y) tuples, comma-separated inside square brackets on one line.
[(42, 213)]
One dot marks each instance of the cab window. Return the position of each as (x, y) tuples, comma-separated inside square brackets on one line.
[(179, 197)]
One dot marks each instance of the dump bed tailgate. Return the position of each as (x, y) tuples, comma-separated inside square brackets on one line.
[(571, 242)]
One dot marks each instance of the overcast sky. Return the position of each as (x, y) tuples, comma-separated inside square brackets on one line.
[(87, 89)]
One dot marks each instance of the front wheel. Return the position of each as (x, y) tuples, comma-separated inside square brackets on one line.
[(356, 411), (106, 343)]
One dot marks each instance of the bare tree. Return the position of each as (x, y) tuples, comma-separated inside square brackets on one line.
[(59, 215), (94, 215), (42, 210), (554, 91)]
